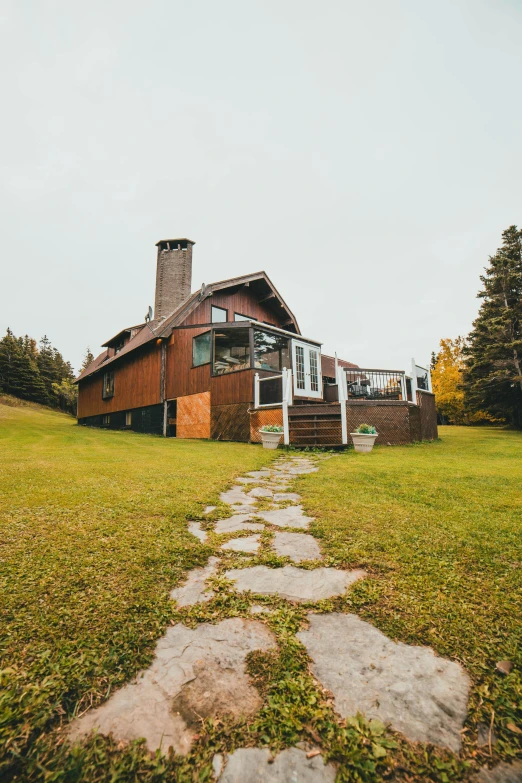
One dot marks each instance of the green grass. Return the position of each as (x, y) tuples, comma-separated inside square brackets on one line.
[(93, 537), (439, 528)]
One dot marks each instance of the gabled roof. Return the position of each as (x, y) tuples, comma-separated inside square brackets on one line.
[(162, 328)]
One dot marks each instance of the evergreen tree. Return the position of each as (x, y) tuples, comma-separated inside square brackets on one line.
[(493, 375), (66, 393), (87, 359), (19, 374), (447, 371)]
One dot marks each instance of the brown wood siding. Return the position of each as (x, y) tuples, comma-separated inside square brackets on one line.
[(230, 422), (193, 416), (428, 415), (136, 384), (183, 379), (233, 387), (243, 302)]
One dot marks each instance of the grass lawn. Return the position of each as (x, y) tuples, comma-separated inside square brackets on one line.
[(93, 537)]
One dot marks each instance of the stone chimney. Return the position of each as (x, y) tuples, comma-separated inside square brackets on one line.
[(173, 275)]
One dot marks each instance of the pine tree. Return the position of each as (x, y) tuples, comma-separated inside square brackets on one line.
[(87, 359), (493, 375), (19, 373)]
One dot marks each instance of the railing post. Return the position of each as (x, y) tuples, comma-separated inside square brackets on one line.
[(430, 389), (342, 390), (413, 382), (256, 390), (287, 396), (404, 391)]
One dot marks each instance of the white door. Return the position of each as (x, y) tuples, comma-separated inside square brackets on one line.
[(308, 379)]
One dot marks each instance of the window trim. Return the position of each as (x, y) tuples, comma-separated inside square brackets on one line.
[(203, 364), (106, 419), (217, 307)]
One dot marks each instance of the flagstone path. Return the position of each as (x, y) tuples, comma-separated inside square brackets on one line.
[(201, 673)]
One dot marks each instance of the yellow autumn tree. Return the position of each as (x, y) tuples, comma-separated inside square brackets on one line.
[(446, 379)]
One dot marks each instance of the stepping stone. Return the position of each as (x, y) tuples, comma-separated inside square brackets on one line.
[(292, 516), (421, 695), (260, 492), (260, 474), (293, 496), (246, 480), (296, 546), (236, 496), (296, 584), (502, 773), (255, 765), (240, 509), (195, 674), (194, 591), (209, 509), (248, 544), (195, 529), (258, 609), (237, 522)]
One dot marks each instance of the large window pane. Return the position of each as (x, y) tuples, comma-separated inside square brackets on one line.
[(201, 349), (231, 350), (219, 315), (270, 351)]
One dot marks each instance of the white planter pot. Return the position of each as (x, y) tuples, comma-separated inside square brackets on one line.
[(270, 439), (363, 442)]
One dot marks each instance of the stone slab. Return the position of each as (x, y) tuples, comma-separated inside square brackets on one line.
[(236, 496), (261, 492), (195, 529), (292, 516), (259, 474), (249, 544), (421, 695), (195, 674), (292, 496), (255, 765), (209, 509), (296, 546), (246, 480), (237, 522), (502, 773), (194, 591), (295, 584)]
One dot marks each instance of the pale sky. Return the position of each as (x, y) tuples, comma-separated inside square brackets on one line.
[(366, 155)]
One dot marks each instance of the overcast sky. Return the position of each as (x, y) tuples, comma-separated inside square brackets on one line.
[(366, 155)]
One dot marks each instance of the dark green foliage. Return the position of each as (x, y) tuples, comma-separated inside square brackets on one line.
[(87, 359), (35, 373), (493, 376)]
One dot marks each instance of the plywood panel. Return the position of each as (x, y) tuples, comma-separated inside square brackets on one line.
[(136, 384), (193, 416)]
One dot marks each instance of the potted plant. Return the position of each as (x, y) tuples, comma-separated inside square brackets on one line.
[(271, 434), (364, 437)]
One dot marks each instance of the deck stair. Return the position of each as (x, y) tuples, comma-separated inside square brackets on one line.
[(315, 425)]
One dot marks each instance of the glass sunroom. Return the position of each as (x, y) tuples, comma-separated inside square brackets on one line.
[(251, 345)]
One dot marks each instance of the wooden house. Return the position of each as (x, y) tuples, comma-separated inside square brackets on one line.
[(222, 361)]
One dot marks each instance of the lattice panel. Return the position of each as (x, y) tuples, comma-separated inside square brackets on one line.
[(262, 417), (391, 421)]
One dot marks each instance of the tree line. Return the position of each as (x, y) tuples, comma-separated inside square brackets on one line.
[(479, 377), (38, 372)]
